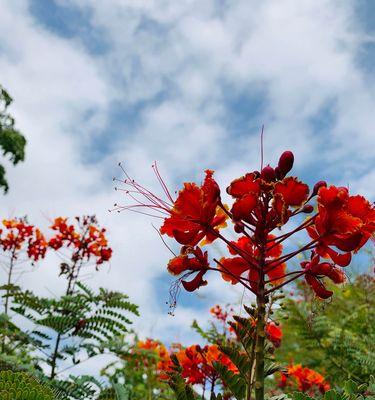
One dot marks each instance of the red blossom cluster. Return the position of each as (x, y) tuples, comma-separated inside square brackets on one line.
[(18, 236), (87, 240), (197, 363), (304, 379), (337, 224), (219, 313)]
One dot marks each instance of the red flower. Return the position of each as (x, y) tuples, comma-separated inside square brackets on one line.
[(87, 240), (274, 333), (21, 236), (315, 271), (218, 313), (190, 260), (197, 363), (288, 193), (246, 191), (306, 379), (196, 213), (233, 268), (262, 203), (345, 222)]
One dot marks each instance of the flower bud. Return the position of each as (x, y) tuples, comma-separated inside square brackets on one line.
[(278, 173), (239, 227), (317, 186), (268, 174), (256, 174), (308, 209), (286, 161)]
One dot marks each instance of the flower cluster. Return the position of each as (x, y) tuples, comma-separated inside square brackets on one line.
[(160, 353), (197, 363), (304, 379), (336, 225), (219, 313), (87, 240), (18, 236)]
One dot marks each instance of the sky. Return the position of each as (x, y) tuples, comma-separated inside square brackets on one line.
[(189, 84)]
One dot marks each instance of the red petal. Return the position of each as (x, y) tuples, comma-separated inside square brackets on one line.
[(294, 193), (188, 202), (318, 287), (349, 243), (327, 269), (340, 259), (276, 275), (187, 238), (236, 266), (195, 283), (276, 250), (243, 207), (332, 196), (243, 243), (359, 207), (244, 185), (176, 265)]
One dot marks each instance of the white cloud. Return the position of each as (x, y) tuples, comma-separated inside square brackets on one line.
[(194, 55)]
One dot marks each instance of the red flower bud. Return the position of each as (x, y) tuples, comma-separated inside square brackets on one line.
[(268, 174), (317, 186), (239, 227), (308, 208), (286, 161), (278, 174)]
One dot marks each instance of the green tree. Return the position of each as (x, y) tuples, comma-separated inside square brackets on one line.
[(336, 338), (12, 142)]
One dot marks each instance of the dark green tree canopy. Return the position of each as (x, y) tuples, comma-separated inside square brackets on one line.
[(12, 142)]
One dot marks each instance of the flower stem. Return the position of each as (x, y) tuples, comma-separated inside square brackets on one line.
[(260, 341)]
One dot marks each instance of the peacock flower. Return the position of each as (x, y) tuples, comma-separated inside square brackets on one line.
[(315, 271)]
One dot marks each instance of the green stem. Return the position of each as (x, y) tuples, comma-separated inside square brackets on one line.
[(259, 350), (11, 265)]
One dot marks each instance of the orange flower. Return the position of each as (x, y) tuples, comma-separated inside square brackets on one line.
[(157, 349), (20, 236), (87, 240), (197, 363), (306, 379)]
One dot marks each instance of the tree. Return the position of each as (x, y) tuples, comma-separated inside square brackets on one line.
[(337, 338), (12, 141)]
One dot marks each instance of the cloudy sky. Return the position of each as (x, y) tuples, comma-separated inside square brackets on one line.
[(189, 84)]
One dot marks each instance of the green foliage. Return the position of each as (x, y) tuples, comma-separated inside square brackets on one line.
[(73, 329), (12, 141), (21, 386), (337, 338), (137, 368), (16, 347)]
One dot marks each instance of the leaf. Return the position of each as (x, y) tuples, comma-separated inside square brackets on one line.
[(235, 382)]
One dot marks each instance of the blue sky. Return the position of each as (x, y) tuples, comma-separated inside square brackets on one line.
[(189, 84)]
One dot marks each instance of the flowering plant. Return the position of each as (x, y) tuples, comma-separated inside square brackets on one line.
[(337, 224)]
